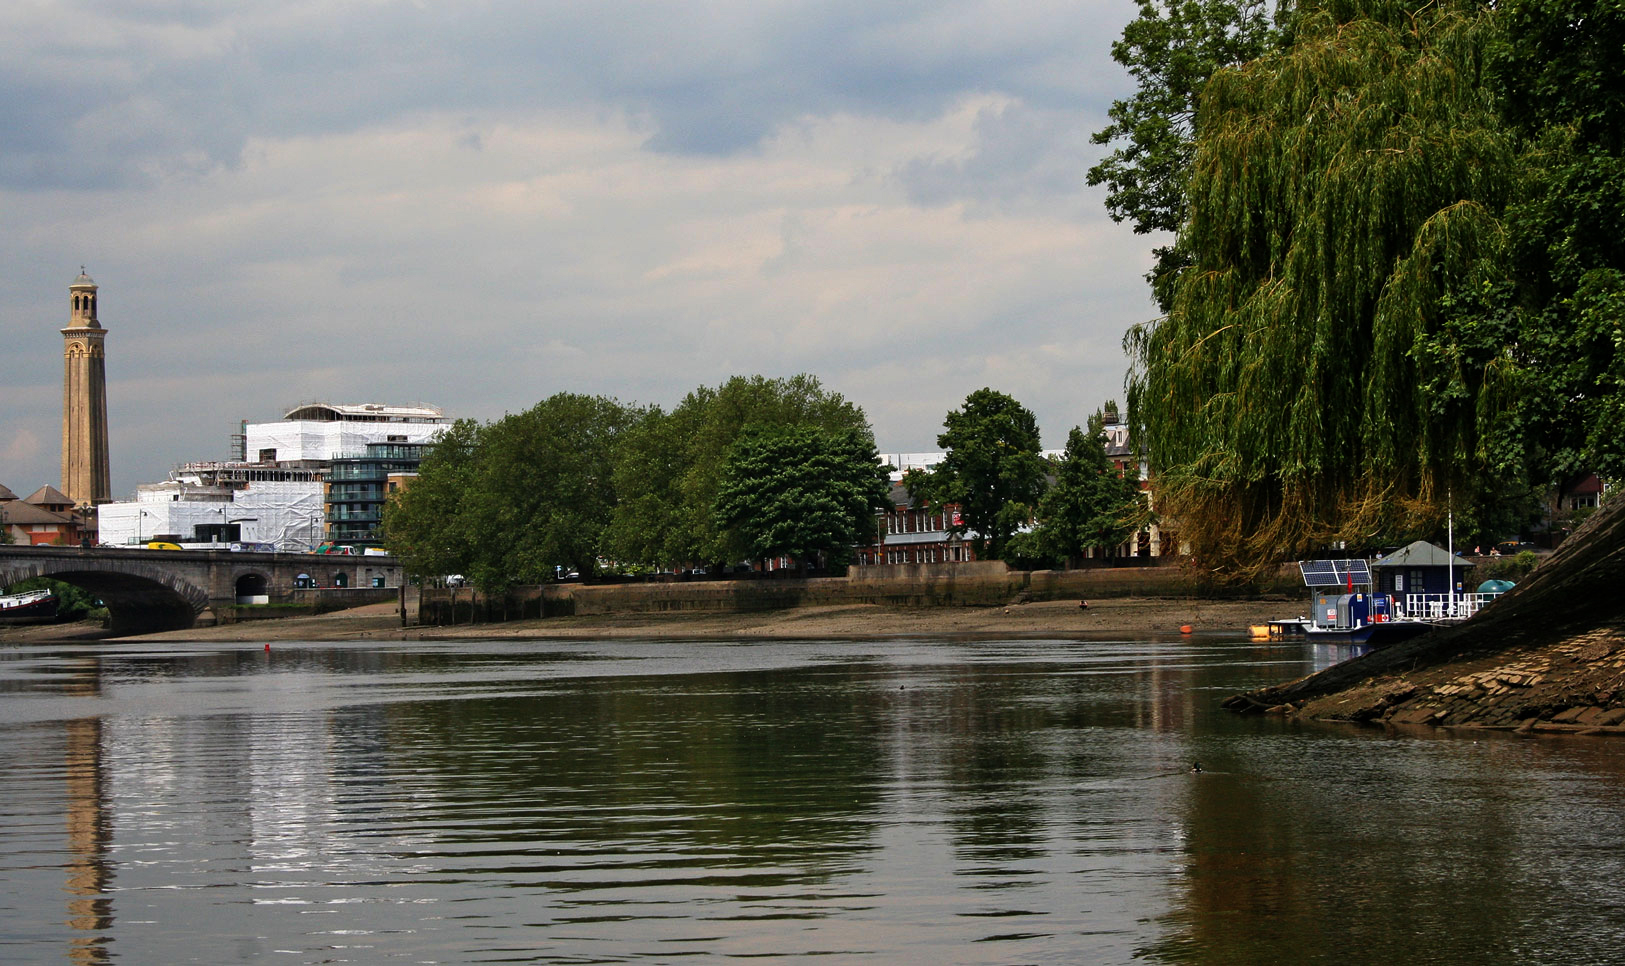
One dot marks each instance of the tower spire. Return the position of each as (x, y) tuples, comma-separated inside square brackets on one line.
[(85, 476)]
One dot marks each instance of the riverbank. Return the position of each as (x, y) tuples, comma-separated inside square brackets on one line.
[(1548, 656), (1125, 616)]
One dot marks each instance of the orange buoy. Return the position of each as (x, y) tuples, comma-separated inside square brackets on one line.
[(1185, 628)]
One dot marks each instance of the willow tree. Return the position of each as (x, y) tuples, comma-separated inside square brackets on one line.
[(1303, 386)]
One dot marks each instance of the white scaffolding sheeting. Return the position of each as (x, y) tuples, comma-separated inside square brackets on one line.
[(312, 440), (287, 514)]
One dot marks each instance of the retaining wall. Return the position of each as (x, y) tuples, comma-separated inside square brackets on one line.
[(976, 584)]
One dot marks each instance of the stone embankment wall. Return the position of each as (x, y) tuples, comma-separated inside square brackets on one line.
[(305, 603), (1549, 656), (978, 584)]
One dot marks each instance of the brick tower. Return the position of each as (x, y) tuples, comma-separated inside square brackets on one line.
[(85, 476)]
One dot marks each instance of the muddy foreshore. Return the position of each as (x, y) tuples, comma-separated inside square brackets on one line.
[(1112, 616)]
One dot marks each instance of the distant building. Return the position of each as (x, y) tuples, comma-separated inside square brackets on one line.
[(282, 497), (910, 535), (1152, 540), (358, 486), (322, 432), (45, 517)]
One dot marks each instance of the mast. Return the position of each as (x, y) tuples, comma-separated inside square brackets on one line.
[(1450, 540)]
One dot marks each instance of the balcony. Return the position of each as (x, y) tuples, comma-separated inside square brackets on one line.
[(355, 493), (356, 471), (357, 515)]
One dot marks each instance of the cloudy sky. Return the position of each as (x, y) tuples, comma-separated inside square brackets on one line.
[(478, 203)]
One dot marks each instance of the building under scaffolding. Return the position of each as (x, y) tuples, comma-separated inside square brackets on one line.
[(282, 498)]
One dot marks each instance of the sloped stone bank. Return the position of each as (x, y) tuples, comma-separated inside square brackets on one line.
[(1549, 656)]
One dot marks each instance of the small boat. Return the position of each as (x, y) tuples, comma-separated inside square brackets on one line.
[(1347, 611), (28, 607)]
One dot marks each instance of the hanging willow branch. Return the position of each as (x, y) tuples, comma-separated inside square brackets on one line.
[(1341, 189)]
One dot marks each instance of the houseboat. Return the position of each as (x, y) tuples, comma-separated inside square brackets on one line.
[(1346, 609), (28, 607)]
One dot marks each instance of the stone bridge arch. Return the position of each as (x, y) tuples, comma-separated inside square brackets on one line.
[(141, 596)]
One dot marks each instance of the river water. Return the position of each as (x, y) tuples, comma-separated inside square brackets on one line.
[(900, 801)]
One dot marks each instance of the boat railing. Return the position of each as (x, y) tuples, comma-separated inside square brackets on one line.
[(1445, 606)]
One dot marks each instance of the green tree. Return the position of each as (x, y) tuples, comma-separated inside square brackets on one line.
[(1091, 504), (1171, 49), (1556, 66), (669, 471), (544, 489), (428, 524), (993, 470), (514, 500), (1344, 191), (801, 491)]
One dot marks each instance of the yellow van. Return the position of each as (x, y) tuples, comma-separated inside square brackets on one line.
[(161, 545)]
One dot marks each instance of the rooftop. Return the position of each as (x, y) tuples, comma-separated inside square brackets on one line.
[(365, 412)]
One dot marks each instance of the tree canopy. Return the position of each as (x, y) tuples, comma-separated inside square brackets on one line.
[(515, 500), (1556, 67), (424, 524), (993, 469), (801, 491), (1090, 505), (1307, 383), (1171, 49), (670, 468)]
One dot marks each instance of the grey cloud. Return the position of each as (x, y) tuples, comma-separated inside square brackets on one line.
[(1023, 156), (123, 92)]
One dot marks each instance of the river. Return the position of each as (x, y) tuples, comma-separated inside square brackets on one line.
[(899, 801)]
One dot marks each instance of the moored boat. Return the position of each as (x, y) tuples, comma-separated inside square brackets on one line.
[(28, 607), (1347, 611)]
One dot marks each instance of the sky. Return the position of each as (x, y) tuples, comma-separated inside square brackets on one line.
[(475, 204)]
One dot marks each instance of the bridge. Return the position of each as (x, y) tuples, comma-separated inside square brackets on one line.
[(159, 590)]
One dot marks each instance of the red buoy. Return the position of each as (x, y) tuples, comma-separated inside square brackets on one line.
[(1183, 629)]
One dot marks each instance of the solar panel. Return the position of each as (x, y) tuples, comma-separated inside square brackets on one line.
[(1335, 573)]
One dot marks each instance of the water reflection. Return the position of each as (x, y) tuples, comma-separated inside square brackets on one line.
[(90, 832), (875, 802)]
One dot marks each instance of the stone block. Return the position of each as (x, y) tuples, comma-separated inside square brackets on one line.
[(1413, 716)]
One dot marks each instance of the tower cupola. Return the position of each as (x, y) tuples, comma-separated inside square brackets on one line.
[(82, 302)]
